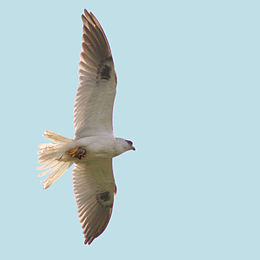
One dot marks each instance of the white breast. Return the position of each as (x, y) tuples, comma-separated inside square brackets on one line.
[(98, 146)]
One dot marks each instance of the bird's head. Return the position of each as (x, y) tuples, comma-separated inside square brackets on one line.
[(123, 145), (130, 145)]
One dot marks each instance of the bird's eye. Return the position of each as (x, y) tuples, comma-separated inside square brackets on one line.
[(129, 142)]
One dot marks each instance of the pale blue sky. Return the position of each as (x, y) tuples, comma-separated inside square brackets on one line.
[(188, 96)]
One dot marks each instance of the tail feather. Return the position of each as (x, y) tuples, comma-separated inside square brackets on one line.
[(55, 137), (49, 164), (49, 156), (60, 168)]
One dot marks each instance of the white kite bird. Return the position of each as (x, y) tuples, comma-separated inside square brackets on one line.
[(94, 144)]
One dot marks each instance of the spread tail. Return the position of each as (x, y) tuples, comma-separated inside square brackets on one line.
[(50, 155)]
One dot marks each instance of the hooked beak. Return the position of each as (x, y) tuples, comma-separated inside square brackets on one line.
[(133, 148)]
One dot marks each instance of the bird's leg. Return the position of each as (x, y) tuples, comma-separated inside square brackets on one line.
[(77, 152)]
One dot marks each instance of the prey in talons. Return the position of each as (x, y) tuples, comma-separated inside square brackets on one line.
[(77, 152)]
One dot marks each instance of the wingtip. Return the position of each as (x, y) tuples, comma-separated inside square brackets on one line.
[(86, 19), (83, 18), (88, 241), (86, 12)]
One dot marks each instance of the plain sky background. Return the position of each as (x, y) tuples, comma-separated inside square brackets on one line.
[(188, 96)]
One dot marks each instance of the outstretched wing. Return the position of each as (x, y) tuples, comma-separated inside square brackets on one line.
[(97, 82), (94, 188)]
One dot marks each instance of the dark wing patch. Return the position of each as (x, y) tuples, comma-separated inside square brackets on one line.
[(105, 69), (105, 72), (104, 198)]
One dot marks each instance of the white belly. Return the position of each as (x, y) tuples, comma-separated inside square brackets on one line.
[(97, 147)]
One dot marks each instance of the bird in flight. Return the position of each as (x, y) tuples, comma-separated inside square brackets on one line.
[(94, 144)]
